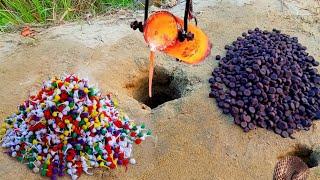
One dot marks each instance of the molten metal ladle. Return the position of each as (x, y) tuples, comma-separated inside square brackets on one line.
[(167, 33)]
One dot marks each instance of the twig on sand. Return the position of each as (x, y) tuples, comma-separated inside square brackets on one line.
[(283, 5)]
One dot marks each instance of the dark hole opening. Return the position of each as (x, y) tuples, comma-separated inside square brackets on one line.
[(158, 99), (306, 154), (164, 89)]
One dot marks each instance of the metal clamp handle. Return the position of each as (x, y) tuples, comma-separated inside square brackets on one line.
[(139, 25)]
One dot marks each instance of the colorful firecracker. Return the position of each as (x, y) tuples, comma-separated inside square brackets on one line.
[(68, 128)]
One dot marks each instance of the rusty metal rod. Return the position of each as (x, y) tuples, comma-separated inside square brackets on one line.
[(146, 10), (186, 15)]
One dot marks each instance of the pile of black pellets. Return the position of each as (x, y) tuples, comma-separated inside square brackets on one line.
[(268, 80)]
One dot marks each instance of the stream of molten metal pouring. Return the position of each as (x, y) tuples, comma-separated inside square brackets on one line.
[(151, 69)]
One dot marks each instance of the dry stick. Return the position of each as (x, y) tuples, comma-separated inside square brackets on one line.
[(53, 10), (65, 13), (282, 4), (151, 69)]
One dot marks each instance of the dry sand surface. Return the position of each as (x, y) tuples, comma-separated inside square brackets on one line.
[(193, 139)]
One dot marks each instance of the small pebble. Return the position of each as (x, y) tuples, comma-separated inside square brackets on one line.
[(132, 161)]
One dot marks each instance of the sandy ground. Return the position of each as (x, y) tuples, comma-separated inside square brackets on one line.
[(193, 139)]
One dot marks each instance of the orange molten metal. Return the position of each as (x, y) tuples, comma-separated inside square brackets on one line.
[(161, 33), (161, 30), (191, 52)]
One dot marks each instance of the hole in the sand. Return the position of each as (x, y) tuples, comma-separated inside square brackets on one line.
[(165, 87), (305, 153), (163, 90)]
